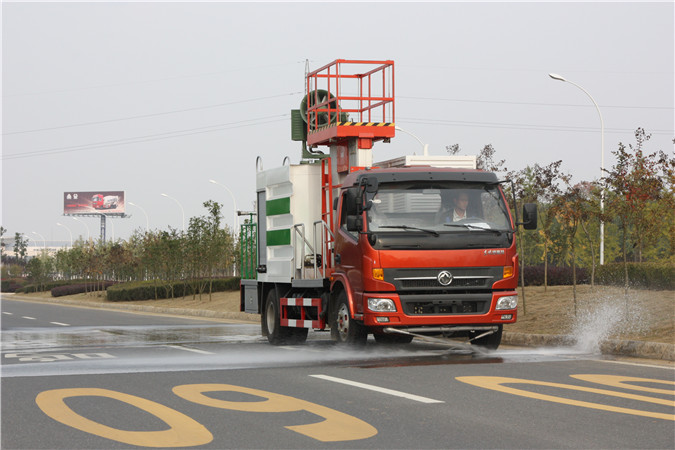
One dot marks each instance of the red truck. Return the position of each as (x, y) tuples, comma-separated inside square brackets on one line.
[(414, 246), (99, 201)]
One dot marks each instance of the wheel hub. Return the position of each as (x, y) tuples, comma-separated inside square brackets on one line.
[(343, 321), (270, 318)]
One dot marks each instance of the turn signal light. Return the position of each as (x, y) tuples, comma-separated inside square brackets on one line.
[(508, 271), (378, 274)]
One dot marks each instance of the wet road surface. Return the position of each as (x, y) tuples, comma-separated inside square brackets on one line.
[(134, 375)]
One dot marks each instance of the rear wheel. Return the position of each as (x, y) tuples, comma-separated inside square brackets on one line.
[(489, 342), (344, 329), (270, 322)]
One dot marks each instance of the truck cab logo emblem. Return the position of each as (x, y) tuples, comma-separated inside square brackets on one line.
[(444, 278)]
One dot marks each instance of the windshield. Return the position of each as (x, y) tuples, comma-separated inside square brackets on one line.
[(435, 207)]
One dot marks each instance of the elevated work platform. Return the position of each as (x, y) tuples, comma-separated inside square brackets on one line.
[(350, 99)]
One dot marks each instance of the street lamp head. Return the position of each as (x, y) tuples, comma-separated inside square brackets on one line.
[(132, 203), (213, 181), (555, 76), (164, 195)]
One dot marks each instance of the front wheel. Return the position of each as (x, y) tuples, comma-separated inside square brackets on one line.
[(344, 329), (489, 342)]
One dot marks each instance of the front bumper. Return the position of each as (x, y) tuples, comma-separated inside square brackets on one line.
[(441, 310)]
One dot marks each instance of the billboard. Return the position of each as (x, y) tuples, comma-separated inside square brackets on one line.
[(92, 202)]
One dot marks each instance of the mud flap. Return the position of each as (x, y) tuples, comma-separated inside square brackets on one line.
[(323, 315)]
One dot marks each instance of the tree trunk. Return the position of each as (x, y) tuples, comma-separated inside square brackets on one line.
[(574, 278), (545, 263), (588, 236), (625, 263)]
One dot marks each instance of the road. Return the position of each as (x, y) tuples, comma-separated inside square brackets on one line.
[(89, 378)]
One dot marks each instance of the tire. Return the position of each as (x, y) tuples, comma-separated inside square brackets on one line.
[(269, 321), (489, 342), (392, 339), (343, 329)]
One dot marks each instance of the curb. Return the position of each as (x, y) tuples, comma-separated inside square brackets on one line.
[(636, 349)]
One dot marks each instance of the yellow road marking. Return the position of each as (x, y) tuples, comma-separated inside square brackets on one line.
[(336, 427), (183, 431), (496, 384), (620, 382)]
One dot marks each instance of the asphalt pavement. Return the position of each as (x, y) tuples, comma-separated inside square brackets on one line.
[(626, 348)]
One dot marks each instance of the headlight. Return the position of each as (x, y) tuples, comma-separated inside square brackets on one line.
[(381, 305), (510, 302)]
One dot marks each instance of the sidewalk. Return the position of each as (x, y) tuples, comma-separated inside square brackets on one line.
[(626, 348)]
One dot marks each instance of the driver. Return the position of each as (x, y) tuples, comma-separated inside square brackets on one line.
[(460, 203), (457, 210)]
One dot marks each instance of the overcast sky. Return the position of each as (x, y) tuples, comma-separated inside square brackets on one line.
[(152, 98)]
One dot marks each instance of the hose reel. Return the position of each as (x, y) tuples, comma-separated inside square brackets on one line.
[(322, 118)]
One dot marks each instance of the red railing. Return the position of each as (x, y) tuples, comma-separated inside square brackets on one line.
[(350, 98)]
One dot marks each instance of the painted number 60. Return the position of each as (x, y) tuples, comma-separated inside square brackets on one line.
[(184, 431)]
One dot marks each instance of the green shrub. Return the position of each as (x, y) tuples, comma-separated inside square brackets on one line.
[(72, 289), (556, 276), (154, 289), (48, 286), (646, 275), (12, 284)]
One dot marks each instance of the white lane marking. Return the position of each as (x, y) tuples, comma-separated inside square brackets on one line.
[(416, 398), (27, 317), (195, 350), (628, 363), (61, 324), (8, 313), (305, 350), (93, 355)]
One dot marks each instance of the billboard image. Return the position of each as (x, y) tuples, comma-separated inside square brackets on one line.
[(92, 202)]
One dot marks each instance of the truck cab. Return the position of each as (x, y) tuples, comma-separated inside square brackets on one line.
[(408, 258)]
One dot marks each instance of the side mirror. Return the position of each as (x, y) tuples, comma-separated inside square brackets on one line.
[(529, 216), (354, 223)]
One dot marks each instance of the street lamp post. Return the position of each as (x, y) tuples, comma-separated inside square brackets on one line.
[(85, 225), (147, 221), (602, 161), (181, 208), (425, 147), (44, 242), (70, 232), (234, 203)]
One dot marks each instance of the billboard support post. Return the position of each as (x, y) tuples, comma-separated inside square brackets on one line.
[(103, 228)]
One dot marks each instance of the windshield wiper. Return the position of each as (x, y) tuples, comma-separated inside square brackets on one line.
[(407, 227), (471, 227)]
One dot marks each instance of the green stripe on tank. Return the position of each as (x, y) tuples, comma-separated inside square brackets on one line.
[(278, 206), (279, 237)]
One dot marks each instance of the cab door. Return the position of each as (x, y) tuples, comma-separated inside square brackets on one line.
[(348, 250)]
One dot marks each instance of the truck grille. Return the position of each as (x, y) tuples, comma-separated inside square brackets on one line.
[(426, 279), (469, 291), (433, 283), (446, 304)]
